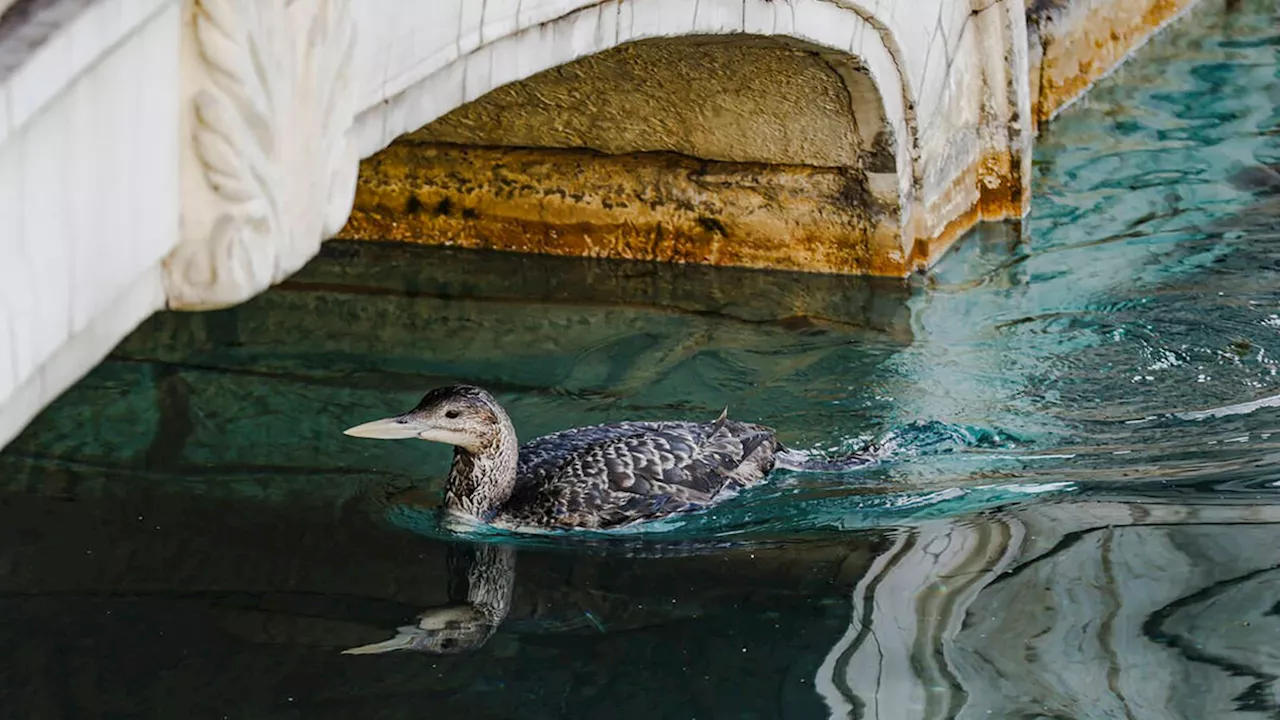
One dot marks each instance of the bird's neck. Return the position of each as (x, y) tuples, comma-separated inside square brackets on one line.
[(482, 479), (490, 574)]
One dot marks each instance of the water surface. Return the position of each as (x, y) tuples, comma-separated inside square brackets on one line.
[(1075, 517)]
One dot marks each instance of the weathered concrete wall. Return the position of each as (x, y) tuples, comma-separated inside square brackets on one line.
[(670, 208), (1075, 42), (790, 105)]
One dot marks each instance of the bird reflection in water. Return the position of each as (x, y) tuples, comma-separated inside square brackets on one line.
[(481, 579)]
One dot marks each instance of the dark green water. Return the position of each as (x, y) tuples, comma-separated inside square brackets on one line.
[(1077, 515)]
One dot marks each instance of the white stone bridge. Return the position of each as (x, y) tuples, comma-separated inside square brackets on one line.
[(187, 154)]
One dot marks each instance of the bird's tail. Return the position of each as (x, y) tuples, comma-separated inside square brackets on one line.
[(800, 461)]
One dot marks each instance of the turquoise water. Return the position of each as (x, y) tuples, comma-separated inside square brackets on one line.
[(1075, 515)]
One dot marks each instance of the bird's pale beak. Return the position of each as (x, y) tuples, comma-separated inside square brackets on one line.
[(405, 639), (392, 428), (406, 427)]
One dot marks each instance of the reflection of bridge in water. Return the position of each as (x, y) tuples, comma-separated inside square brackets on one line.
[(1081, 610), (1091, 609)]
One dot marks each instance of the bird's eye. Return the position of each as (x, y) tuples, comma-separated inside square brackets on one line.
[(451, 414)]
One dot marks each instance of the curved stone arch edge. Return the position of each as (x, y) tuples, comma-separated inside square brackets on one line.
[(819, 26), (241, 233), (831, 28), (929, 222), (822, 25), (257, 198)]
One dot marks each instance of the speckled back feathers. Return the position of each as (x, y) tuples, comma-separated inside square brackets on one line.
[(609, 475)]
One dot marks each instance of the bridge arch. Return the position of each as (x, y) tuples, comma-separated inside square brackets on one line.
[(222, 173), (285, 101), (500, 51)]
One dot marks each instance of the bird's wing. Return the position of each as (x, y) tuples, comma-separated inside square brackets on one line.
[(650, 468), (544, 455)]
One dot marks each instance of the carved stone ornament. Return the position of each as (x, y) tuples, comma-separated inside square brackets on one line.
[(272, 173)]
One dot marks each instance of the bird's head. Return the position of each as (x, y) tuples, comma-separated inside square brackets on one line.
[(440, 631), (462, 415)]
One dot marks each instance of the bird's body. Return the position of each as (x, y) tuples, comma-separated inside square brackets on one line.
[(608, 475), (588, 477)]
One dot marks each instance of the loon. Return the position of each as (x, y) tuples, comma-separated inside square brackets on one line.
[(596, 477)]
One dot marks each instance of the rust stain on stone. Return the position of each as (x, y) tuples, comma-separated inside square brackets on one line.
[(999, 196), (665, 207), (650, 206), (1074, 45)]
